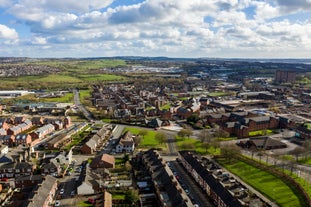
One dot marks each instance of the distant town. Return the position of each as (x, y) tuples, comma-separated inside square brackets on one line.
[(169, 132)]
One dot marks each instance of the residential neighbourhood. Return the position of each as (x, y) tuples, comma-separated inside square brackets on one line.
[(165, 142)]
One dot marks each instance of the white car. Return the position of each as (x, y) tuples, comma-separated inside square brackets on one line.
[(61, 191), (57, 203)]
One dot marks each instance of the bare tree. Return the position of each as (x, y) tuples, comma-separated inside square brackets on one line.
[(297, 151), (185, 133), (230, 150), (137, 140), (220, 133), (161, 137), (205, 136), (143, 132)]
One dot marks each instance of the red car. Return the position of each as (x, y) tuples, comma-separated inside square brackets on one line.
[(91, 200)]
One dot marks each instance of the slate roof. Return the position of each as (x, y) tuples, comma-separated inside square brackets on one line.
[(43, 192), (216, 186)]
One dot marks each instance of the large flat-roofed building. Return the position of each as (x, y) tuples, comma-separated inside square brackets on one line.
[(9, 94), (284, 76)]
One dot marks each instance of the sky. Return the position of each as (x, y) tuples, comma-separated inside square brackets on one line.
[(171, 28)]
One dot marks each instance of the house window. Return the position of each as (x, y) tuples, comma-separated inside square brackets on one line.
[(17, 170), (28, 170)]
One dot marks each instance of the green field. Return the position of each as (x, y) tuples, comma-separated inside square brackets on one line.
[(67, 98), (260, 133), (149, 140), (266, 183), (195, 144), (214, 94), (73, 73), (100, 77)]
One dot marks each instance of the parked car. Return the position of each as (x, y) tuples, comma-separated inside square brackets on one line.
[(61, 191), (91, 200)]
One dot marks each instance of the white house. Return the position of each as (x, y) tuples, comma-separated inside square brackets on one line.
[(126, 143)]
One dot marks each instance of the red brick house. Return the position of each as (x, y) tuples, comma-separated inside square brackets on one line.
[(103, 161), (7, 139), (24, 139), (14, 130)]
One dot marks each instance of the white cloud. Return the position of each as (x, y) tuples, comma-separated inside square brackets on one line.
[(161, 27), (5, 3), (39, 41), (7, 33)]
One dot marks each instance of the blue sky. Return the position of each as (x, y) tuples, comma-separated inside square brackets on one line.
[(183, 28)]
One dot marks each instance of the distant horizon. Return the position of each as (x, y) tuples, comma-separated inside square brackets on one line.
[(252, 29), (155, 57)]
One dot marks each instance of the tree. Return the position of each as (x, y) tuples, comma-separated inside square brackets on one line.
[(187, 146), (125, 158), (161, 137), (192, 119), (137, 140), (230, 150), (296, 152), (220, 133), (205, 136), (132, 196), (143, 132), (185, 133)]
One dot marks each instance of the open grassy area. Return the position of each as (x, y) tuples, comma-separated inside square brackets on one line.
[(266, 183), (306, 161), (214, 94), (260, 133), (67, 98), (149, 140), (71, 73), (166, 107), (195, 144), (118, 196), (100, 77), (85, 204)]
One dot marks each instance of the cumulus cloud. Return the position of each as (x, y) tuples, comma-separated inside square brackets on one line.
[(7, 33), (161, 27)]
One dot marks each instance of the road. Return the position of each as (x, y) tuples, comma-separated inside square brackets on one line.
[(77, 102), (194, 192)]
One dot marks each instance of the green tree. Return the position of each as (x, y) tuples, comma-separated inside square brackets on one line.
[(193, 118), (132, 196)]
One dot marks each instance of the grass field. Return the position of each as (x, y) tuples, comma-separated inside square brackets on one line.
[(214, 94), (260, 133), (194, 144), (99, 77), (74, 73), (67, 98), (266, 183), (149, 140)]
